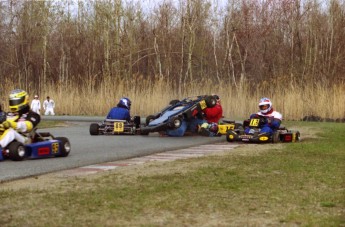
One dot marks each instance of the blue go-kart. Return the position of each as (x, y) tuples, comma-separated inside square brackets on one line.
[(43, 145)]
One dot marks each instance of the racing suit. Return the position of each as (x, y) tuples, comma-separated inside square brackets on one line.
[(274, 119), (119, 113), (213, 114), (48, 106), (20, 123), (36, 105)]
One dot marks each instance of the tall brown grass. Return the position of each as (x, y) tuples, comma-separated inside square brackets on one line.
[(149, 96)]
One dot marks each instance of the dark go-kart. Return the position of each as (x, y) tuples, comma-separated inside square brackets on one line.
[(171, 117), (116, 127), (43, 145), (280, 135)]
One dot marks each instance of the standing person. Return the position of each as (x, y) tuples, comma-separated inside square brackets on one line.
[(36, 105), (48, 106), (273, 118), (121, 111), (20, 119)]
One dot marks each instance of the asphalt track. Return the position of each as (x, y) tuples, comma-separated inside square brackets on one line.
[(89, 150)]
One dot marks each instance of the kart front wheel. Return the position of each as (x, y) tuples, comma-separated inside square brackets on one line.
[(16, 151), (94, 129), (65, 147), (149, 119)]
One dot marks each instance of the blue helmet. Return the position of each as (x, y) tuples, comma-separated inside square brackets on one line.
[(125, 103)]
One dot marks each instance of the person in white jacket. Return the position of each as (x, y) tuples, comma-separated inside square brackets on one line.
[(36, 105), (48, 106)]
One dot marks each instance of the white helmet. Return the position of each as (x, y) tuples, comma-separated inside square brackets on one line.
[(265, 105)]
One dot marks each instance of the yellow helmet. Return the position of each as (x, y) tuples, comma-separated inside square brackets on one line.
[(19, 100)]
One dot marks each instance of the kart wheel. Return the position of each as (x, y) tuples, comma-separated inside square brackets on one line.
[(211, 101), (177, 122), (144, 133), (297, 136), (174, 101), (66, 147), (231, 136), (16, 151), (275, 137), (94, 129), (149, 119)]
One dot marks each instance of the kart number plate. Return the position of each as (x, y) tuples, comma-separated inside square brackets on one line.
[(118, 126), (203, 104), (254, 122), (55, 148)]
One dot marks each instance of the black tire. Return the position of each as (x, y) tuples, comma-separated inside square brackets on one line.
[(298, 137), (276, 137), (94, 129), (177, 122), (211, 101), (230, 137), (173, 102), (149, 119), (144, 133), (16, 151), (65, 148)]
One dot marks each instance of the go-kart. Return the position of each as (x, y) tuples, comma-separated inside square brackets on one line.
[(280, 135), (171, 117), (42, 145), (116, 127)]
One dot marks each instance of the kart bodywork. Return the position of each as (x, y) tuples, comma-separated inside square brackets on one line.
[(225, 126), (43, 145), (116, 127), (171, 117), (282, 134)]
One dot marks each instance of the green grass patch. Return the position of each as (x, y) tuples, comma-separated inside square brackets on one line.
[(293, 184)]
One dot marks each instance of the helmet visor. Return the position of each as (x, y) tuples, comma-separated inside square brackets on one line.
[(17, 101), (264, 107)]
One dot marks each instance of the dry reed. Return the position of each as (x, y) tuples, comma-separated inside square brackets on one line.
[(149, 96)]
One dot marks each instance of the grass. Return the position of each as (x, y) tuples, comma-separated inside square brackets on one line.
[(256, 185)]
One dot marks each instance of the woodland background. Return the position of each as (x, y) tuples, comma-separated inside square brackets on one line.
[(87, 54)]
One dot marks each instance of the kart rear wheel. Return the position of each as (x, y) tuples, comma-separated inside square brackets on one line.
[(16, 151), (149, 119), (231, 136), (275, 137), (297, 136), (177, 122), (94, 129), (211, 101), (66, 147)]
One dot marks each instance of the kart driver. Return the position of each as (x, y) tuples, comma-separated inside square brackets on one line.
[(212, 117), (273, 117), (21, 119), (121, 111)]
